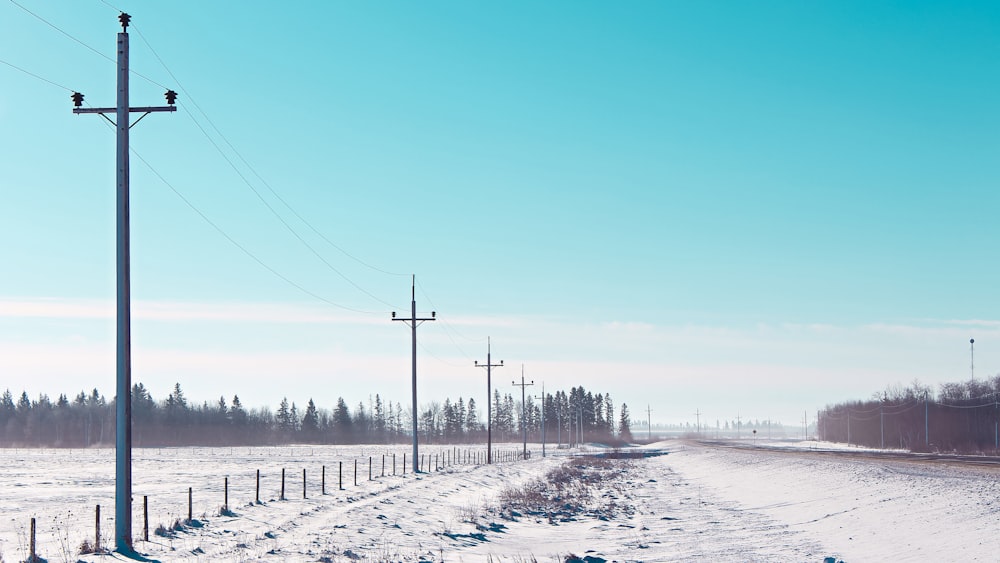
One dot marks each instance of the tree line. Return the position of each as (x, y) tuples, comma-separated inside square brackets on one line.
[(89, 419), (962, 417)]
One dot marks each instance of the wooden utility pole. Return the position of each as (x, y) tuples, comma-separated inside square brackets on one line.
[(414, 322), (123, 397), (524, 422), (489, 365)]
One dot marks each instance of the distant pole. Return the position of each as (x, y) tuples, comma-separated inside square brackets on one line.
[(649, 424), (881, 421), (489, 365), (414, 322), (123, 397), (927, 438), (543, 418), (697, 422), (972, 359), (524, 421)]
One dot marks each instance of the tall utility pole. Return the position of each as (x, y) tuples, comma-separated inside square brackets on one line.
[(123, 397), (649, 424), (414, 322), (543, 417), (697, 422), (972, 358), (489, 365), (524, 422)]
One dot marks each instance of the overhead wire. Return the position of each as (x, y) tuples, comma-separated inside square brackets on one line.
[(448, 329), (242, 248), (204, 217), (42, 78), (84, 44), (256, 192)]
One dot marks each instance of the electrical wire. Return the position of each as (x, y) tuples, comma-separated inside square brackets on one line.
[(279, 217), (266, 184), (67, 34), (247, 163), (242, 248), (29, 73)]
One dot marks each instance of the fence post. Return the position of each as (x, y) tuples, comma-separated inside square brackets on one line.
[(369, 468), (340, 475), (282, 483), (97, 530), (323, 482), (145, 518), (225, 502), (258, 486), (404, 465), (190, 498), (394, 464), (303, 482), (355, 472), (383, 465), (31, 553)]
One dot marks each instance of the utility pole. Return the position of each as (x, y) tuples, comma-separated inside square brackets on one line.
[(543, 418), (649, 424), (123, 397), (881, 419), (489, 365), (972, 359), (524, 422), (414, 322), (739, 425), (697, 423)]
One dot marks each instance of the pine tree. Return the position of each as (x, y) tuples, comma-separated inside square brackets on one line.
[(625, 425), (471, 417), (283, 417), (310, 422)]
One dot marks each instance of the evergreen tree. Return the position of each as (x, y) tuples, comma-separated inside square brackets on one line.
[(472, 417), (625, 425), (310, 422)]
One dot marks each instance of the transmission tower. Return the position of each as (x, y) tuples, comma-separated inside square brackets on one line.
[(123, 397)]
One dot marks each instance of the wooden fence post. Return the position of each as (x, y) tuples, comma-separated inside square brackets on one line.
[(225, 501), (282, 483), (340, 475), (31, 553), (190, 497), (303, 482), (369, 468), (258, 486), (145, 518), (97, 530), (323, 482), (355, 473)]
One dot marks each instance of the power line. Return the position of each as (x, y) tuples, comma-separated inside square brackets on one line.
[(42, 78), (243, 248), (85, 45), (265, 183)]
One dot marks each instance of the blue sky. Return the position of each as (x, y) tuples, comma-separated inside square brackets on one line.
[(742, 208)]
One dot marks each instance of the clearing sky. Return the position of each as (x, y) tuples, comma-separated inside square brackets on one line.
[(749, 209)]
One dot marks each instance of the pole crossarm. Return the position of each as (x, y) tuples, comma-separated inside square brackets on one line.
[(489, 365), (147, 109)]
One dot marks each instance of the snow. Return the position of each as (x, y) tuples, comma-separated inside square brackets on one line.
[(693, 503)]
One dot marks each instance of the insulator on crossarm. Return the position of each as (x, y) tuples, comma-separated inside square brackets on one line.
[(77, 99)]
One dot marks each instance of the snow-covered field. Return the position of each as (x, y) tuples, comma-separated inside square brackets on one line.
[(696, 503)]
